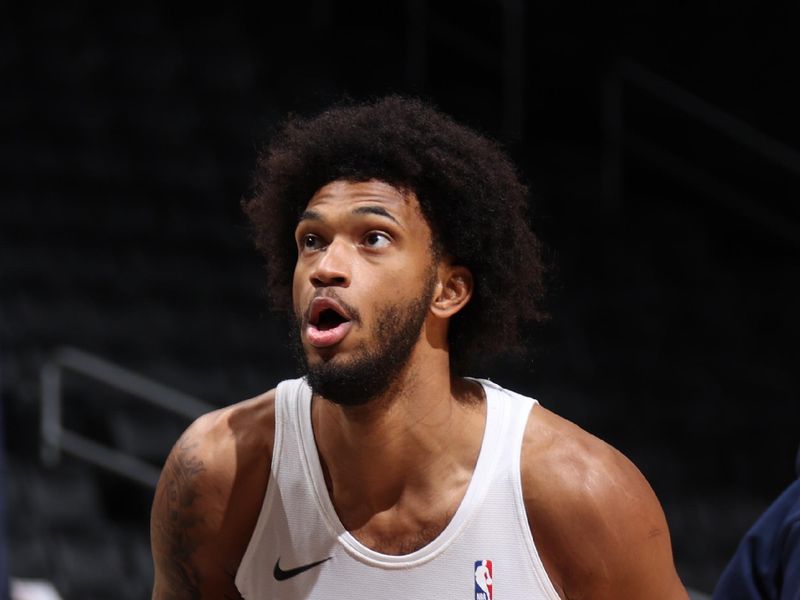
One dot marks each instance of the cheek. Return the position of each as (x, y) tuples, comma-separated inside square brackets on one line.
[(397, 285)]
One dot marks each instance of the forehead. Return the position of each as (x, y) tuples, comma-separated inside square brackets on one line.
[(348, 195)]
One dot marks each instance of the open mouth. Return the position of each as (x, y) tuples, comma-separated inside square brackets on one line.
[(328, 323), (328, 319)]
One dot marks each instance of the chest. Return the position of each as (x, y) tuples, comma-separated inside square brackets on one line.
[(398, 534), (449, 557)]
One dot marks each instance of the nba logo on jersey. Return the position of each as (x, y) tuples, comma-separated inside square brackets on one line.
[(483, 580)]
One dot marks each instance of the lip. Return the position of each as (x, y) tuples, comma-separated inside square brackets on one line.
[(323, 338), (324, 303)]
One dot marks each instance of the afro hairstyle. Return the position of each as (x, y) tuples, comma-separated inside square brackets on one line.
[(466, 186)]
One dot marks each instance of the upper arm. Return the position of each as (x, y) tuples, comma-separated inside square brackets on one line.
[(207, 501), (183, 523), (595, 520)]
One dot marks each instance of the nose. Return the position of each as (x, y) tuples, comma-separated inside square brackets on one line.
[(333, 266)]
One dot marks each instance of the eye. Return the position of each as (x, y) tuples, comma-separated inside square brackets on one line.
[(376, 239), (310, 242)]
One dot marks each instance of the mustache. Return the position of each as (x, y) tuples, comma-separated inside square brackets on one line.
[(352, 311)]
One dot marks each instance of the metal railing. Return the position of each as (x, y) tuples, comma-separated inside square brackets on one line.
[(56, 438)]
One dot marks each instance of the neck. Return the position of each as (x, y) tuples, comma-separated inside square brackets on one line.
[(423, 432)]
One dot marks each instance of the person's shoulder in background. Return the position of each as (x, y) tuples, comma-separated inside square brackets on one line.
[(766, 564)]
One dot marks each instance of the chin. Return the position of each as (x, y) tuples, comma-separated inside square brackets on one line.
[(328, 354), (360, 372)]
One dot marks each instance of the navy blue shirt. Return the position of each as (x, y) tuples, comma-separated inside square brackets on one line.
[(767, 563)]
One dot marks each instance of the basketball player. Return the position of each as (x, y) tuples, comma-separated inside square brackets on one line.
[(399, 242)]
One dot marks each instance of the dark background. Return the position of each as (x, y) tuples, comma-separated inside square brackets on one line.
[(657, 145)]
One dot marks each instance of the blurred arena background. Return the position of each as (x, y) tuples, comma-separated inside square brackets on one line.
[(661, 146)]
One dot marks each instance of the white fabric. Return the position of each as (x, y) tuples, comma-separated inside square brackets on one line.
[(32, 589), (299, 525)]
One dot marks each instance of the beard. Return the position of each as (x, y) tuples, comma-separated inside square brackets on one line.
[(372, 371)]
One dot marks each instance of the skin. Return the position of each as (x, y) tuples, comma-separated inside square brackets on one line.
[(398, 467)]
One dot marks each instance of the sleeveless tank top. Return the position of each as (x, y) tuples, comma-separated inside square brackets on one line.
[(300, 550)]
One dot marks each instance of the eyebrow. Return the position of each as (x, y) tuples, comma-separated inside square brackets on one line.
[(374, 210), (309, 215), (312, 215)]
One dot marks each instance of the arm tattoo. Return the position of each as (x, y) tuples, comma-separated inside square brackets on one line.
[(173, 523)]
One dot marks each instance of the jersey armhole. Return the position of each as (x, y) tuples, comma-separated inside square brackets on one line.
[(522, 514), (269, 495)]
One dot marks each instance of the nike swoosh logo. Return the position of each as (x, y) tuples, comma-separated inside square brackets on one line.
[(282, 575)]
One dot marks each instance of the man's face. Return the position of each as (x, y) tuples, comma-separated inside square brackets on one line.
[(362, 287)]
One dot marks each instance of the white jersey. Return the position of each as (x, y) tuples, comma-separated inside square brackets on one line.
[(299, 549)]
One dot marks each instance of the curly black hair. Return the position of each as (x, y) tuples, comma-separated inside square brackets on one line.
[(467, 188)]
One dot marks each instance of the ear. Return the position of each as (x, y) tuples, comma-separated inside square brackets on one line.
[(453, 290)]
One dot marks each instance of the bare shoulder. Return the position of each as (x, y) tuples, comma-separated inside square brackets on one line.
[(596, 522), (208, 499)]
